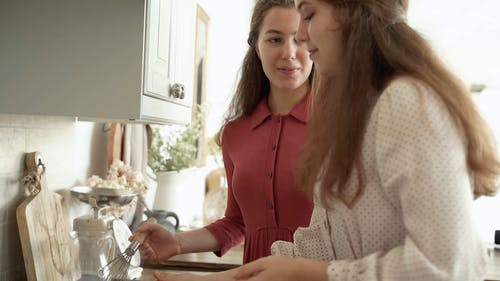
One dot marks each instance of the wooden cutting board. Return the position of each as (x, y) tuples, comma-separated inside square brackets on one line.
[(206, 261), (44, 229)]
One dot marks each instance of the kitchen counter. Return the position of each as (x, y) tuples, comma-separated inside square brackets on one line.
[(204, 263), (493, 269), (207, 261), (147, 274), (197, 263)]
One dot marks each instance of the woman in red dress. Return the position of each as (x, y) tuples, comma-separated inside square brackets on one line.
[(262, 137)]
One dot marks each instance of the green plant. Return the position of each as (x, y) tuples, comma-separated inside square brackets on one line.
[(178, 150)]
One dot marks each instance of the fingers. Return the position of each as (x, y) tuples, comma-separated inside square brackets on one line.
[(249, 270), (135, 236), (146, 251), (148, 254), (148, 226), (160, 276)]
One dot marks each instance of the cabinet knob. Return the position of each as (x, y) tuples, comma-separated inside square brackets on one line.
[(177, 91)]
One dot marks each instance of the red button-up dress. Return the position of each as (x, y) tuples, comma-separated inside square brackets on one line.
[(260, 153)]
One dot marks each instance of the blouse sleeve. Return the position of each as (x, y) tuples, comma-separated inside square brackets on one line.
[(230, 229), (309, 241), (420, 158)]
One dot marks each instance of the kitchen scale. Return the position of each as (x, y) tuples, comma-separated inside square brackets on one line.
[(102, 236)]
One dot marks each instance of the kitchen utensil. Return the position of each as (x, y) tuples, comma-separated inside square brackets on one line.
[(44, 228), (122, 232), (94, 230), (117, 269), (104, 196), (95, 240)]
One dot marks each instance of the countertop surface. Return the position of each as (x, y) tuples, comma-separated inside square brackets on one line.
[(204, 263), (197, 263), (493, 269)]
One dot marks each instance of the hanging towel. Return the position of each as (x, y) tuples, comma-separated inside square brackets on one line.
[(115, 139), (135, 154), (135, 147)]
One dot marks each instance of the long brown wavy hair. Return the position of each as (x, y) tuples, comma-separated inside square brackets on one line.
[(253, 84), (379, 46)]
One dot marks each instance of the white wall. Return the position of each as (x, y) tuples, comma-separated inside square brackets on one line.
[(69, 149), (467, 35), (229, 26)]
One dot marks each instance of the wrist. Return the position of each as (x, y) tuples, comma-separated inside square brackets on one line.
[(307, 269), (179, 241)]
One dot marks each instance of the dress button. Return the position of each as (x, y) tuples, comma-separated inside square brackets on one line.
[(270, 206), (270, 175), (274, 147)]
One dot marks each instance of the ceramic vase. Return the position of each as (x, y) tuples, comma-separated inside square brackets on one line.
[(181, 192)]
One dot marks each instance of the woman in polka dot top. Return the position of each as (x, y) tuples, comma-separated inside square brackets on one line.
[(395, 154)]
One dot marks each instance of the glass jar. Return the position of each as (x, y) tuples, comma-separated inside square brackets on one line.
[(95, 242)]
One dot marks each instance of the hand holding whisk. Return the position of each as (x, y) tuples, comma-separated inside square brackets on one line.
[(117, 269)]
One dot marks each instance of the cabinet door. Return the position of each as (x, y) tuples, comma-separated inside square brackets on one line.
[(157, 52), (120, 65), (183, 46), (72, 58), (169, 59)]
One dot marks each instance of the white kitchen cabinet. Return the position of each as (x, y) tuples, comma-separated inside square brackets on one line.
[(98, 59), (169, 58)]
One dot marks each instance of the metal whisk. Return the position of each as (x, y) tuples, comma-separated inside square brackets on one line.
[(117, 268)]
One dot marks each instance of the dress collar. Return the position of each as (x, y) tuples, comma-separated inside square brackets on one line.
[(262, 111)]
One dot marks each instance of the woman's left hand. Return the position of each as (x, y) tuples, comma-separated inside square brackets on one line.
[(273, 268), (280, 268)]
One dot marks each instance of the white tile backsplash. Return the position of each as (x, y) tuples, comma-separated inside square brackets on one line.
[(15, 140), (47, 122), (12, 121), (9, 243), (57, 146), (72, 151), (11, 195), (16, 273)]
